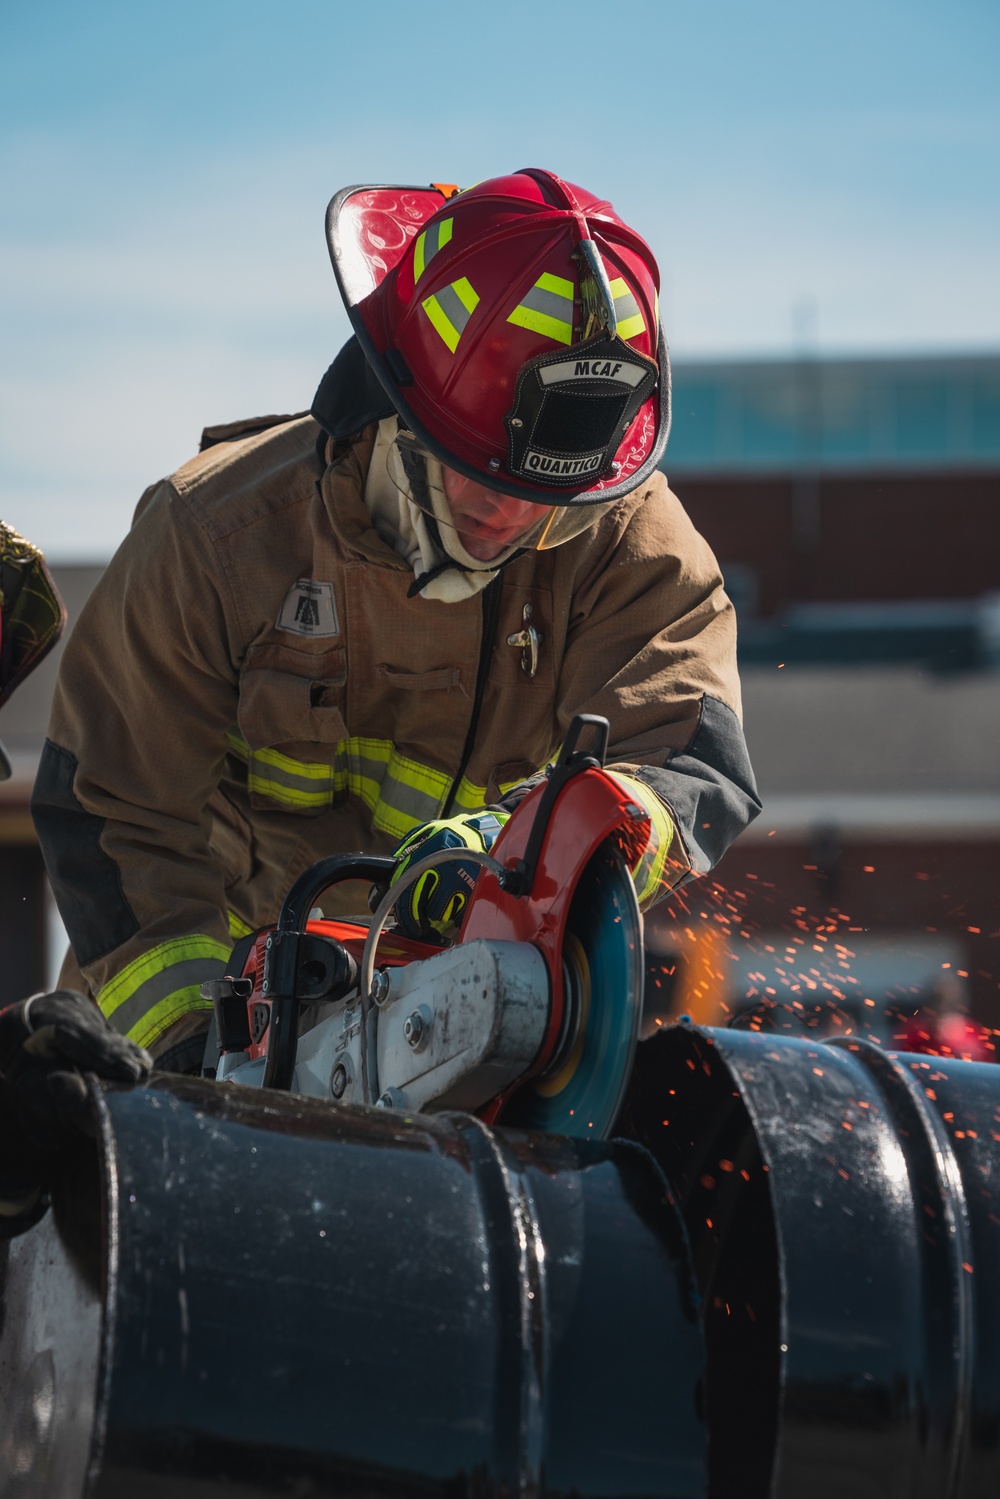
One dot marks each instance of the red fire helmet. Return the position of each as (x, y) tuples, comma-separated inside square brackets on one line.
[(515, 328)]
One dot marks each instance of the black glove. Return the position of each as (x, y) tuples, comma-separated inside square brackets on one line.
[(47, 1042)]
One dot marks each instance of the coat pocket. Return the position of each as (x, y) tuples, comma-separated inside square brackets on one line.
[(278, 709), (291, 726), (438, 679)]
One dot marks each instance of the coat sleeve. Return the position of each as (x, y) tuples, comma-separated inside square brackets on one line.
[(146, 691), (652, 647)]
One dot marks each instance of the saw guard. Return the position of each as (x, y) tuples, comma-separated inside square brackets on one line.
[(581, 1092), (592, 808)]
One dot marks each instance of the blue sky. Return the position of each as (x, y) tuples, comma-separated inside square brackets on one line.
[(166, 170)]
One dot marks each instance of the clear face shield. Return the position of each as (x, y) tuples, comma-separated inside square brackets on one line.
[(485, 526)]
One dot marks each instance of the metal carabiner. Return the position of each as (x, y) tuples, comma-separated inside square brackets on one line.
[(529, 640)]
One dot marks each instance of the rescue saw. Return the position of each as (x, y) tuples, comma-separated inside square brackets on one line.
[(532, 1016)]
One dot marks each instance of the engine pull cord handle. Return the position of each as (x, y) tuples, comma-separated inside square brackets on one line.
[(520, 879), (366, 972)]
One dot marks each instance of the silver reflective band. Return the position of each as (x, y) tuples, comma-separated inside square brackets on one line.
[(453, 308), (621, 370), (550, 302), (433, 239), (630, 318)]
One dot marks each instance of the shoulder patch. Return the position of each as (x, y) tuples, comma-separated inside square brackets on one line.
[(309, 609)]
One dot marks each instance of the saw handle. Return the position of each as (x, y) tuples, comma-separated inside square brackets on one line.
[(520, 879), (281, 957), (602, 731)]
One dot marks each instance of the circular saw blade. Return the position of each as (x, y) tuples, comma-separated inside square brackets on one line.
[(581, 1091)]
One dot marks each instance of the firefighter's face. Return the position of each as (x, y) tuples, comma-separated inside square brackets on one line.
[(487, 522)]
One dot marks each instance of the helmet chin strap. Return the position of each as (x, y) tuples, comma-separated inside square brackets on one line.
[(447, 536), (412, 530)]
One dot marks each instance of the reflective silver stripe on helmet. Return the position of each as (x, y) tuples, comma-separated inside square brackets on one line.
[(630, 319), (450, 310), (547, 308), (433, 239)]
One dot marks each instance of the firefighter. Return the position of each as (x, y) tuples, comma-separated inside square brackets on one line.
[(371, 624), (47, 1041)]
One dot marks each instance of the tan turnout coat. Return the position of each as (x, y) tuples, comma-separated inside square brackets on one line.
[(250, 688)]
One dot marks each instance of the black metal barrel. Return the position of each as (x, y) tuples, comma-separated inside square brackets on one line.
[(243, 1294), (843, 1205)]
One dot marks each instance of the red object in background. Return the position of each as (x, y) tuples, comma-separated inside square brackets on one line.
[(953, 1035)]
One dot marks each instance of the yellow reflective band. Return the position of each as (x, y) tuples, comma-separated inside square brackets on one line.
[(450, 309), (630, 319), (469, 798), (557, 284), (465, 293), (400, 793), (237, 926), (441, 323), (547, 308), (289, 796), (301, 784), (648, 872), (632, 327), (428, 244), (161, 985)]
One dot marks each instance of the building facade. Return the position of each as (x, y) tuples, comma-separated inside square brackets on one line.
[(855, 508)]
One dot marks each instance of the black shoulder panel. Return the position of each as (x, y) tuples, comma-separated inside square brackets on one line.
[(350, 396), (709, 787), (85, 880)]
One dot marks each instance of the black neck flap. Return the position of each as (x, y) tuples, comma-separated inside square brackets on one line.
[(350, 395)]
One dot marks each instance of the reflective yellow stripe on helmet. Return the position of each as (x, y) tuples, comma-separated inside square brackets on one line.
[(547, 308), (428, 244), (450, 310), (161, 985), (630, 320)]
